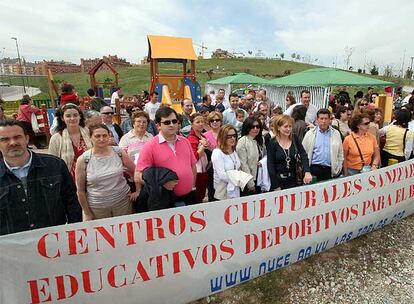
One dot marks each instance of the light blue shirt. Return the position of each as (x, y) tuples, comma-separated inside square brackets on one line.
[(322, 150), (21, 172), (229, 116)]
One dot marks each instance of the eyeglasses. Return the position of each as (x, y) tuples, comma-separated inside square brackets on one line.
[(107, 113), (365, 123), (168, 122), (255, 127), (215, 120), (230, 136), (363, 104)]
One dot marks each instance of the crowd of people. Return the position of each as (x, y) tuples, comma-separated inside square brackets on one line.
[(159, 159)]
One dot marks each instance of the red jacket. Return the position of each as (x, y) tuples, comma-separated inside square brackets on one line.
[(25, 112), (69, 98)]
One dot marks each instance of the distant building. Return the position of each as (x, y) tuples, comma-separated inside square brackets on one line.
[(219, 53), (56, 67), (117, 63), (11, 66)]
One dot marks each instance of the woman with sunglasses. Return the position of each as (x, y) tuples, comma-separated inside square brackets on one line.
[(72, 138), (361, 151), (199, 144), (225, 158), (250, 149), (361, 104), (281, 156), (215, 121)]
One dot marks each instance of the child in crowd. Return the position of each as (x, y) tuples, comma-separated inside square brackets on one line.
[(240, 118)]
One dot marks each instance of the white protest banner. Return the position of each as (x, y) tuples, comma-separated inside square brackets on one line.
[(182, 254)]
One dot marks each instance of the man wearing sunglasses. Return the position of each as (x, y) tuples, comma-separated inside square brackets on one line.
[(116, 131), (171, 151)]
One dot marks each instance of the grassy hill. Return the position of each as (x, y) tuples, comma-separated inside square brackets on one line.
[(135, 79)]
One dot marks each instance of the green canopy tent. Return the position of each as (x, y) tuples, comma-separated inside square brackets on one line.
[(227, 82), (319, 82)]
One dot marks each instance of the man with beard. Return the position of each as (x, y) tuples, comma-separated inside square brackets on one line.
[(36, 190)]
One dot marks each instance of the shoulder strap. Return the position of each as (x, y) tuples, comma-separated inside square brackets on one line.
[(404, 138), (117, 150), (359, 150), (87, 157)]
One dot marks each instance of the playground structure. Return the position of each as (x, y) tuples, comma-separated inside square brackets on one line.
[(98, 86), (173, 88)]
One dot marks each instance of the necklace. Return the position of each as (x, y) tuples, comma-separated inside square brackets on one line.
[(233, 160), (287, 157)]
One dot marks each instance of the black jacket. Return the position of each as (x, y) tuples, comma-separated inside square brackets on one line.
[(50, 199), (153, 195)]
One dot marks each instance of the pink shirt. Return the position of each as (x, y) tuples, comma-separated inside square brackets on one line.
[(158, 153), (213, 142)]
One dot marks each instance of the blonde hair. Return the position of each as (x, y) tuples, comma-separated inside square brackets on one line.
[(222, 138), (213, 115), (280, 121)]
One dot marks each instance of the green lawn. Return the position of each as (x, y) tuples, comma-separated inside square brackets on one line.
[(134, 79)]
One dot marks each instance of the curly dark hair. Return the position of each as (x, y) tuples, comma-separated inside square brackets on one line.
[(356, 121)]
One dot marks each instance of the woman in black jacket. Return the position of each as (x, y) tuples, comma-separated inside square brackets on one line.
[(281, 156)]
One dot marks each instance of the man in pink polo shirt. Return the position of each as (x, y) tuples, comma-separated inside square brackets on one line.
[(171, 151)]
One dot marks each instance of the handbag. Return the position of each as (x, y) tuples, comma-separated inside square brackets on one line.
[(35, 124), (300, 174)]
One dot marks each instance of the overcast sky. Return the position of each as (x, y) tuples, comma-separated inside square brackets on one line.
[(376, 31)]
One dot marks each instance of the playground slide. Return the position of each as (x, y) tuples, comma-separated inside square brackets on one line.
[(166, 99), (187, 92)]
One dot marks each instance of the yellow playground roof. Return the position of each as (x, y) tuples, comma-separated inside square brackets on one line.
[(165, 47)]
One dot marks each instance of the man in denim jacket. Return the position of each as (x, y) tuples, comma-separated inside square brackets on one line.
[(36, 190)]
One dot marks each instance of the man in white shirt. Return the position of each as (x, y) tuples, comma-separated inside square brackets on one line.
[(114, 96), (305, 97), (152, 106)]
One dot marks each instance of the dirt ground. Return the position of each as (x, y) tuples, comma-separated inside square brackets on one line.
[(375, 268)]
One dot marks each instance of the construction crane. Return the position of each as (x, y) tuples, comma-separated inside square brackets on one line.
[(203, 47)]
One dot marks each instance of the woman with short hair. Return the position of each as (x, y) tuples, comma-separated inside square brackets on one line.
[(133, 141), (215, 121), (199, 144), (361, 151), (24, 115), (101, 186), (72, 138), (341, 121)]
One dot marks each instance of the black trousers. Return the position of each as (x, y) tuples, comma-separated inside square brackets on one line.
[(322, 173), (385, 158)]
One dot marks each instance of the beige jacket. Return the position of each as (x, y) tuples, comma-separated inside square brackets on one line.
[(337, 151), (249, 155)]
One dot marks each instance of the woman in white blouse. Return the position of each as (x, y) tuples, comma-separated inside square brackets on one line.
[(225, 158)]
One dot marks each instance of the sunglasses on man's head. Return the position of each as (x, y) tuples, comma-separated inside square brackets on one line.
[(168, 122)]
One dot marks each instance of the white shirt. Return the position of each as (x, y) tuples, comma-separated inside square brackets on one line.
[(113, 97), (151, 109), (310, 113)]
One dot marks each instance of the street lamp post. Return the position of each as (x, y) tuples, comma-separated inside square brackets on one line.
[(20, 63)]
